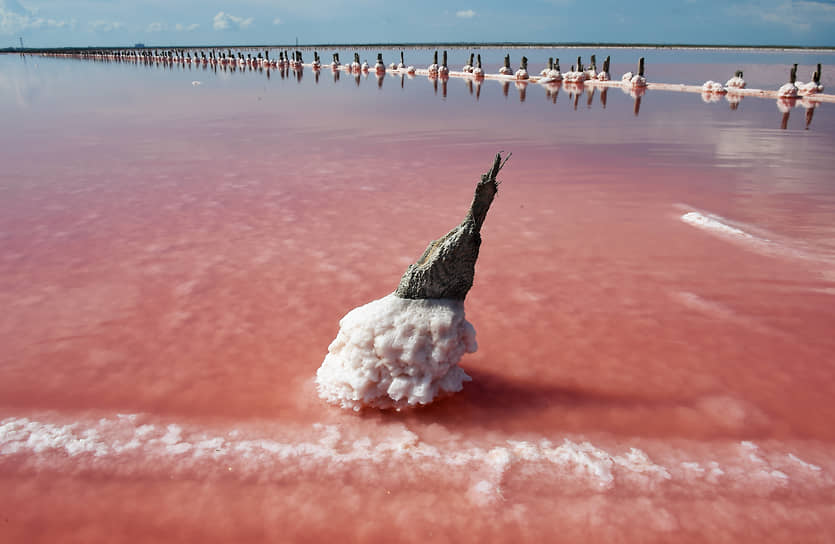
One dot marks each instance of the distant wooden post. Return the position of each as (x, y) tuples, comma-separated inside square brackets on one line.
[(606, 65), (524, 64), (641, 67), (507, 61), (579, 65), (593, 63), (793, 74), (817, 77)]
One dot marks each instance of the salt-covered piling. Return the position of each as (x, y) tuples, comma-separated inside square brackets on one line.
[(603, 75), (443, 69), (403, 349), (789, 90), (522, 72), (505, 69), (433, 68), (468, 68), (478, 71)]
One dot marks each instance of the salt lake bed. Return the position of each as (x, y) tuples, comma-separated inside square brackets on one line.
[(654, 303)]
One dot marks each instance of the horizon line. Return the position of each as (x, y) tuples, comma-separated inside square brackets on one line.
[(510, 44)]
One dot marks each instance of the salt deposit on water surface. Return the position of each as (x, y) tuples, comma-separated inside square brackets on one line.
[(135, 445)]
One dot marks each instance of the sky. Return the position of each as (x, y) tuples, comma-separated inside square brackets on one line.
[(79, 23)]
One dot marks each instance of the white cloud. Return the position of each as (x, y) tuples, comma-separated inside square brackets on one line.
[(185, 28), (277, 21), (797, 15), (15, 18), (155, 27), (225, 21), (465, 14), (104, 26)]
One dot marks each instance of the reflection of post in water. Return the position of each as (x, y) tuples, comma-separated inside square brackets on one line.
[(443, 84), (434, 84), (315, 76), (380, 77), (402, 78), (590, 98), (552, 91), (785, 105), (522, 87), (733, 100), (603, 95), (576, 99), (268, 73), (810, 108), (505, 86), (469, 83), (478, 82), (637, 109), (357, 78)]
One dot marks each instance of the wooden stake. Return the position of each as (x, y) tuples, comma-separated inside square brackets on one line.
[(641, 67), (447, 267)]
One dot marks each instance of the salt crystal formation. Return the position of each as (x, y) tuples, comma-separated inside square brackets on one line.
[(395, 352), (403, 349)]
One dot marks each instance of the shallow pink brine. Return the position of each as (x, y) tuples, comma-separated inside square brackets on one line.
[(653, 304)]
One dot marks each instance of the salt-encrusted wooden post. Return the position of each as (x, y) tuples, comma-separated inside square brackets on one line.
[(524, 65), (641, 66), (817, 76), (507, 61), (401, 59), (579, 65), (593, 63), (447, 267), (606, 65), (793, 74)]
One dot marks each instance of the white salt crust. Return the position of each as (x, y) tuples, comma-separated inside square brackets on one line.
[(137, 445), (395, 353)]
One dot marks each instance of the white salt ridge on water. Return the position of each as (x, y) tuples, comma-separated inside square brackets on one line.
[(759, 240), (394, 353), (709, 223), (128, 446)]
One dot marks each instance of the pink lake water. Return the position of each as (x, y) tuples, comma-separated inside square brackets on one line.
[(654, 305)]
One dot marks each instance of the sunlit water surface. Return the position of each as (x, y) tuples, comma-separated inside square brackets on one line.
[(654, 304)]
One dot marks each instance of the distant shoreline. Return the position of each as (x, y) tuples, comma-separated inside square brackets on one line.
[(451, 45)]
